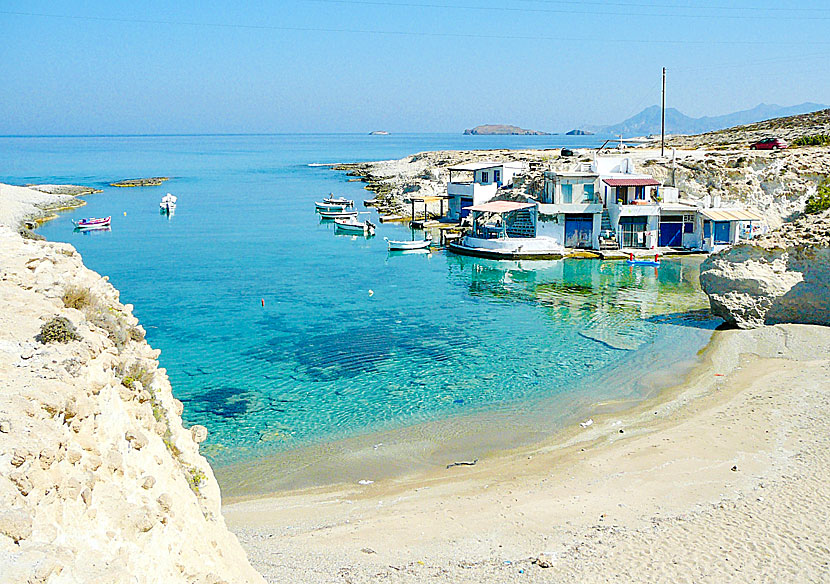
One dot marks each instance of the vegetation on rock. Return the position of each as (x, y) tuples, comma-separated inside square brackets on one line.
[(76, 297), (58, 330), (820, 201), (815, 140)]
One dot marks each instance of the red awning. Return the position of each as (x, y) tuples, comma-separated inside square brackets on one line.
[(631, 182)]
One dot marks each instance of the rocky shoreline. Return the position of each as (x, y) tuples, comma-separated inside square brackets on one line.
[(91, 438)]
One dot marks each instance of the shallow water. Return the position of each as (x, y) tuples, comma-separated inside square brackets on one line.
[(439, 337)]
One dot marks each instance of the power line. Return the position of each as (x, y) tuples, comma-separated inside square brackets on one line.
[(404, 33), (679, 7), (566, 11)]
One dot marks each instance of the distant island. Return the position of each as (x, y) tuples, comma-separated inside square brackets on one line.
[(502, 130), (379, 133), (579, 133)]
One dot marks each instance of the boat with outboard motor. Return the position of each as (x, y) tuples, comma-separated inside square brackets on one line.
[(354, 227), (632, 261)]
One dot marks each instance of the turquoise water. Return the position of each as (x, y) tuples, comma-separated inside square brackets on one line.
[(439, 336)]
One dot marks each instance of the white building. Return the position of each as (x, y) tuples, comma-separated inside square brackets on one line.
[(476, 183), (570, 209)]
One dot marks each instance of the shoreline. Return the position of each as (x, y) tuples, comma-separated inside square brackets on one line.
[(704, 448)]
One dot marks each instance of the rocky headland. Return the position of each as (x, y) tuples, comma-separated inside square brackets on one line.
[(782, 277), (99, 479)]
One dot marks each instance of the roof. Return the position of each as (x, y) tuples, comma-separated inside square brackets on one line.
[(631, 182), (473, 166), (429, 199), (731, 215), (500, 207)]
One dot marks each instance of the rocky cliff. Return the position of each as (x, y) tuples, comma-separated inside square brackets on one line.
[(781, 277), (99, 480)]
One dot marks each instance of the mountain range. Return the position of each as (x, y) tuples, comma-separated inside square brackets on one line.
[(648, 121)]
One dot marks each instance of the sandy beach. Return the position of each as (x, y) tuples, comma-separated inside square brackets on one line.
[(720, 479)]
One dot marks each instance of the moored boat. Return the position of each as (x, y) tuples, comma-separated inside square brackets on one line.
[(408, 245), (353, 226), (168, 203), (332, 200), (632, 261), (330, 206), (93, 223), (342, 214)]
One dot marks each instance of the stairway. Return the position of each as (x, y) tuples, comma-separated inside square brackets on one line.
[(522, 225), (607, 242)]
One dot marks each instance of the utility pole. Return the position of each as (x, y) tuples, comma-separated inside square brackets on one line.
[(663, 119)]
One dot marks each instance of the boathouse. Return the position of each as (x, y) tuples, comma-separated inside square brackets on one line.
[(476, 183)]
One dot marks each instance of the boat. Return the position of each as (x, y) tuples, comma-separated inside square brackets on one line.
[(330, 200), (93, 223), (330, 206), (408, 245), (631, 261), (338, 214), (168, 203), (353, 226)]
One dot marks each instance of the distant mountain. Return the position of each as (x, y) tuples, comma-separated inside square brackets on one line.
[(502, 129), (648, 120), (579, 133)]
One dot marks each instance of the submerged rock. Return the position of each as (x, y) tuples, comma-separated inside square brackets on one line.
[(782, 277)]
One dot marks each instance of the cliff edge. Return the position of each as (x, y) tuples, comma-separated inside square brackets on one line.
[(781, 277), (99, 480)]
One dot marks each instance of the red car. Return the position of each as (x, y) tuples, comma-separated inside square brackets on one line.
[(769, 144)]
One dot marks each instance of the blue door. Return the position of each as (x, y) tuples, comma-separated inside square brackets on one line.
[(671, 235), (722, 232), (464, 204), (579, 231)]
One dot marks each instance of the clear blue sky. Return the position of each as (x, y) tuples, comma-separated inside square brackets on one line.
[(399, 65)]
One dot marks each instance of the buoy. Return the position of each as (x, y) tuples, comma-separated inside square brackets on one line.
[(125, 213), (263, 302), (371, 293), (657, 257), (631, 256)]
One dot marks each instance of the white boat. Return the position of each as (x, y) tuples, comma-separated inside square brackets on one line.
[(353, 226), (338, 214), (331, 200), (91, 223), (168, 203), (408, 245), (330, 206)]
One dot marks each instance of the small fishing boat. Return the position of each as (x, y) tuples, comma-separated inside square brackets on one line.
[(408, 245), (353, 226), (632, 261), (342, 214), (332, 200), (93, 223), (168, 203), (330, 206)]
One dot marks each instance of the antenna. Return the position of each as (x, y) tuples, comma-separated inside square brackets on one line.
[(663, 119)]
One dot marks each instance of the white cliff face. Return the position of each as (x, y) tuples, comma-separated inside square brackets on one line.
[(99, 481), (779, 278)]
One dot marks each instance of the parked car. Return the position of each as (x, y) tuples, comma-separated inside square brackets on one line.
[(769, 144)]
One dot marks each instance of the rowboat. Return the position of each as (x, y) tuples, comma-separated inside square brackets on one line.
[(330, 200), (93, 223), (408, 245), (168, 203), (354, 226), (330, 206), (338, 214)]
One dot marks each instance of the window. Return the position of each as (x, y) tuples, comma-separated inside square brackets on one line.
[(485, 177), (497, 176), (567, 193), (640, 193), (588, 193), (688, 223)]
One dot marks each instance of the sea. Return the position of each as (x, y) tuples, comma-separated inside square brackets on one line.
[(283, 337)]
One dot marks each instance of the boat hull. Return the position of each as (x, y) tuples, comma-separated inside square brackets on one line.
[(408, 245), (338, 214), (352, 228)]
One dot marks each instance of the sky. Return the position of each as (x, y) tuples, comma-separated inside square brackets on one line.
[(105, 67)]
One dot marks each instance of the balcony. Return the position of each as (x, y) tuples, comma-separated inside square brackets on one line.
[(479, 193)]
